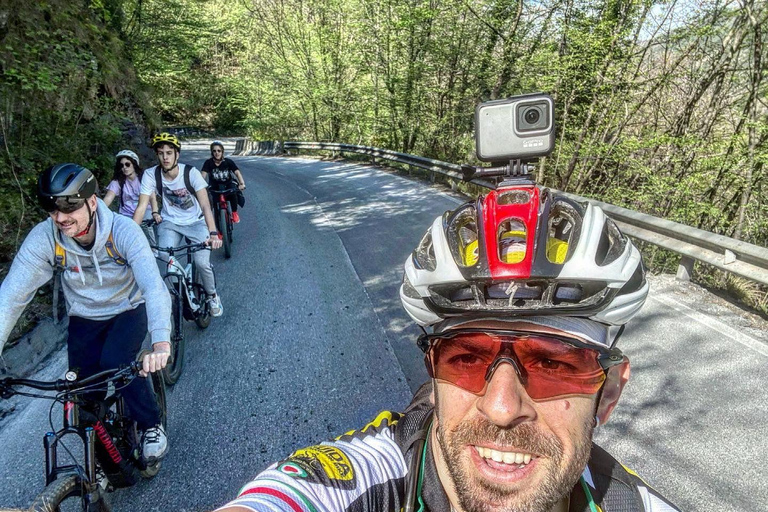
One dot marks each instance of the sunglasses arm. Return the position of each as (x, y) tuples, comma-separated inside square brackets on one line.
[(612, 358), (423, 342)]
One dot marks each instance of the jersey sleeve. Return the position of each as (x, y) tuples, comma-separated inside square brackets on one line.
[(31, 268), (132, 243), (196, 179), (148, 184), (114, 186), (359, 467), (232, 165)]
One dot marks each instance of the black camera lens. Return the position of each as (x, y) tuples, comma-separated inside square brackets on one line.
[(532, 116)]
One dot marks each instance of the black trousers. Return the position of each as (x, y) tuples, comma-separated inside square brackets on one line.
[(95, 346)]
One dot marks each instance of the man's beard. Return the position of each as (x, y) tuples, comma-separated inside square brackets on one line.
[(478, 495)]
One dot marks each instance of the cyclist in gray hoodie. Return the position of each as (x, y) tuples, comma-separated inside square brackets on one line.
[(108, 274)]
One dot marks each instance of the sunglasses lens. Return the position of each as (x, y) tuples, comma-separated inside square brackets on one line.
[(62, 204), (550, 366), (47, 203)]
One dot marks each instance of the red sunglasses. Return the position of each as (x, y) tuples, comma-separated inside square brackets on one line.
[(547, 365)]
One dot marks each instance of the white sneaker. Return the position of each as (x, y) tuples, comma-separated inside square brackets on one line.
[(154, 444), (214, 303)]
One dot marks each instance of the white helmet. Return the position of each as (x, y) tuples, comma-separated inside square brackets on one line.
[(129, 154), (524, 251)]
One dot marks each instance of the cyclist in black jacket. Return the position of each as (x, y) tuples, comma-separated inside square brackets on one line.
[(223, 173)]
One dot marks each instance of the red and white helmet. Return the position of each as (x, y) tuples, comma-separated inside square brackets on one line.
[(524, 251)]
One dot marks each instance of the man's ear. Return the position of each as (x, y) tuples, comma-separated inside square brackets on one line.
[(614, 383)]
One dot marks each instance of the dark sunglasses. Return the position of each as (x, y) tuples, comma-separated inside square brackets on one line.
[(62, 204), (547, 365), (126, 164)]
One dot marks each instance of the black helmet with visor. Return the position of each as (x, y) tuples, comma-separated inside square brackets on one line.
[(65, 187)]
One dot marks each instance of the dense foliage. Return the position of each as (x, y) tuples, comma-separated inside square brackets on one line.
[(661, 105), (66, 93)]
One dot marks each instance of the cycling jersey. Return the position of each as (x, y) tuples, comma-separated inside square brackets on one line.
[(374, 470)]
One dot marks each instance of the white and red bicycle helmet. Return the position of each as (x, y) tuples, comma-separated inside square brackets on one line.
[(524, 251)]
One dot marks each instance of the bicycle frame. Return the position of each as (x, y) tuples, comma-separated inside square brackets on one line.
[(95, 430), (180, 279), (222, 195), (221, 203), (90, 429)]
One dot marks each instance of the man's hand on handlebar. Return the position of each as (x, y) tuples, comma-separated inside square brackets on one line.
[(157, 359), (214, 241)]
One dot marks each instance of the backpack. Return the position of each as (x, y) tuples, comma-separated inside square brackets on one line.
[(184, 169), (60, 255)]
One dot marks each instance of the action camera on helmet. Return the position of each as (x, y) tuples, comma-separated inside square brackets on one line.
[(517, 128)]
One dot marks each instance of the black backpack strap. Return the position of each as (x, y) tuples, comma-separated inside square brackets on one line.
[(159, 181), (188, 180)]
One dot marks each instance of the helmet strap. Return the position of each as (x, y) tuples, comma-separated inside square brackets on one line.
[(91, 216)]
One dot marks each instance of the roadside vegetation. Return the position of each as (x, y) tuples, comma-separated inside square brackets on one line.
[(661, 106)]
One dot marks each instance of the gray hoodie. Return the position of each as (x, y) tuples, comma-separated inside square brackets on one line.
[(95, 286)]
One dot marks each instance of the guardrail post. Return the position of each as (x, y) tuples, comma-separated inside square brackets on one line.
[(432, 176), (685, 268)]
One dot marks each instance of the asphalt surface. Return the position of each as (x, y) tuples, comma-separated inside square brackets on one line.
[(313, 342)]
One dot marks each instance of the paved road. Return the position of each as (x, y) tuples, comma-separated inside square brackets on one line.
[(313, 342)]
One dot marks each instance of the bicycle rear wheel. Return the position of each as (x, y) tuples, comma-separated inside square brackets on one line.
[(65, 494), (172, 372)]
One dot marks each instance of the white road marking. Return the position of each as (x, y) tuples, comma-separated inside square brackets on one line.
[(714, 324)]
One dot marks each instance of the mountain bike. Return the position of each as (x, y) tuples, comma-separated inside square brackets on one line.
[(222, 214), (188, 301), (111, 445)]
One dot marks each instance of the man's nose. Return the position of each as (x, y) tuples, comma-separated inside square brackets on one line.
[(505, 402)]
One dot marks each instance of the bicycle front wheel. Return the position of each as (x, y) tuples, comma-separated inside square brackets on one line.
[(172, 372), (225, 233), (230, 224), (158, 390), (65, 494)]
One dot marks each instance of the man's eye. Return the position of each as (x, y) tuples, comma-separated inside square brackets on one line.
[(554, 365), (465, 360)]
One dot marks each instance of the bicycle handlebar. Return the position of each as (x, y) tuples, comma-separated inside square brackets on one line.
[(189, 248), (225, 191), (104, 377)]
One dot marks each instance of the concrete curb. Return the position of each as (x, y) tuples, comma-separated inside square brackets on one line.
[(24, 357)]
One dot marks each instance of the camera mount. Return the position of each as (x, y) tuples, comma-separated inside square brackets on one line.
[(517, 172)]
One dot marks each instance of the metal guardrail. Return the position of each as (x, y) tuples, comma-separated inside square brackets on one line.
[(730, 255)]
